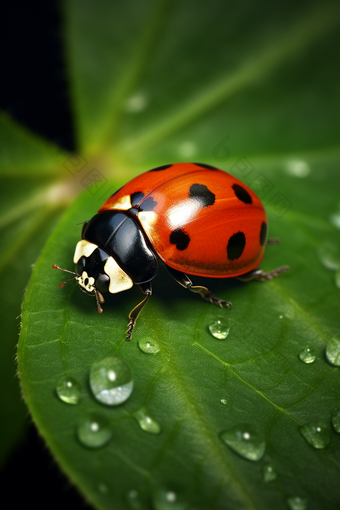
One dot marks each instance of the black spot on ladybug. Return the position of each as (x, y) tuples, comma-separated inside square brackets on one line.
[(158, 168), (148, 205), (86, 282), (203, 194), (180, 239), (136, 197), (236, 245), (203, 165), (242, 194), (263, 233)]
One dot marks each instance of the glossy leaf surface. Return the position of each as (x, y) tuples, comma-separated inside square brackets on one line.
[(196, 386)]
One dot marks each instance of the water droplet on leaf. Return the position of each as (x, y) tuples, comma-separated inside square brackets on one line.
[(146, 422), (148, 345), (103, 488), (269, 472), (333, 351), (316, 433), (111, 380), (93, 431), (329, 255), (136, 103), (133, 500), (307, 355), (187, 149), (246, 440), (336, 418), (337, 279), (335, 218), (68, 390), (219, 328), (297, 503), (224, 401), (297, 168), (165, 499)]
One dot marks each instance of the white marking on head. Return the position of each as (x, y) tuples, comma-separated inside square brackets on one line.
[(119, 280), (87, 282), (83, 249)]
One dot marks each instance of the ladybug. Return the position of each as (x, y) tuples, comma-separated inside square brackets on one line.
[(197, 219)]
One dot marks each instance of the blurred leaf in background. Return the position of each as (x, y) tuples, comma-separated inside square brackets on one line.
[(254, 89)]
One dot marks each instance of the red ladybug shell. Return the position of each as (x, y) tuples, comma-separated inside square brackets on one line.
[(199, 220)]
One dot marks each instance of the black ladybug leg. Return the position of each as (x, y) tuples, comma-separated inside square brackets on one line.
[(133, 315), (205, 293), (261, 276)]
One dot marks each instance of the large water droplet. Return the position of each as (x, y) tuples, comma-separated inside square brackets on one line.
[(133, 500), (68, 390), (219, 328), (146, 422), (307, 355), (333, 350), (148, 345), (165, 499), (329, 255), (111, 380), (93, 431), (246, 440), (269, 472), (336, 418), (297, 503), (316, 433)]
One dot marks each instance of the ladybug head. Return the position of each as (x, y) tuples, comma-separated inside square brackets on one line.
[(97, 272)]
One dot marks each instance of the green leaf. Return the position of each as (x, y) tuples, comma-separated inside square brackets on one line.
[(30, 234), (196, 387)]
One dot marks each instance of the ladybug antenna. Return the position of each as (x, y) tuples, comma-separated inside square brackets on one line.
[(100, 300), (61, 285)]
